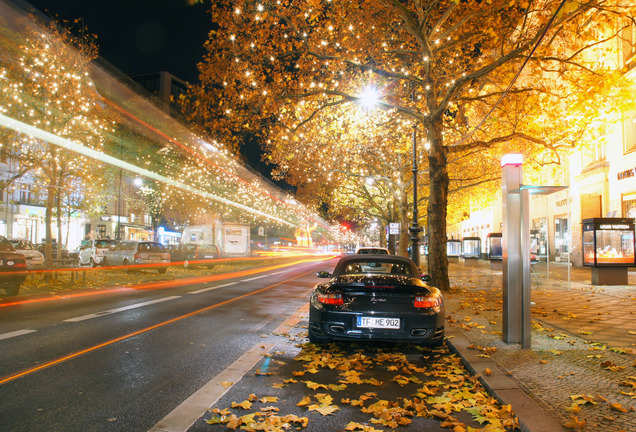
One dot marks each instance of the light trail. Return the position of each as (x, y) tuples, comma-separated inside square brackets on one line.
[(21, 127), (166, 284), (76, 354)]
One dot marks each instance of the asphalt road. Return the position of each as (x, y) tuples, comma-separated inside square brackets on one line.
[(156, 359), (122, 361)]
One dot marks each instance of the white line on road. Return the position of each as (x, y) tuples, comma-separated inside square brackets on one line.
[(15, 334), (282, 271), (254, 278), (121, 309), (212, 288), (184, 416)]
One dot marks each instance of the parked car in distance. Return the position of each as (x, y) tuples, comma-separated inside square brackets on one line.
[(12, 268), (34, 258), (54, 247), (146, 254), (193, 254), (92, 251), (372, 250), (376, 297)]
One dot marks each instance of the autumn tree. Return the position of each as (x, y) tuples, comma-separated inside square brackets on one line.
[(46, 84), (282, 70)]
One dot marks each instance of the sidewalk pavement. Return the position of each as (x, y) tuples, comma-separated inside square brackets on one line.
[(580, 372)]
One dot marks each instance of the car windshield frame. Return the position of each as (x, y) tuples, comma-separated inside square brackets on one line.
[(376, 265), (372, 251)]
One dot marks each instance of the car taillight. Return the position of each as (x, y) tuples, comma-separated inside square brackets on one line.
[(427, 302), (137, 256), (330, 299)]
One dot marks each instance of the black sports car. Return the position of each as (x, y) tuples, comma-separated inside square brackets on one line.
[(376, 297)]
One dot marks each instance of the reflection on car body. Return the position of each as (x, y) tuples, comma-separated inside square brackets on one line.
[(376, 297)]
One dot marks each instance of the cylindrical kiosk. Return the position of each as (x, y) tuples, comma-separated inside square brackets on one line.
[(608, 248)]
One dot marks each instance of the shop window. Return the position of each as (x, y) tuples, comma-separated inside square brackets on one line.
[(629, 132), (629, 206)]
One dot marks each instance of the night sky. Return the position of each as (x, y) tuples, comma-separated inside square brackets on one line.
[(141, 36)]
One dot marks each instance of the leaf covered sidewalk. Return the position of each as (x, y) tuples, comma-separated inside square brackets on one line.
[(581, 368), (358, 387)]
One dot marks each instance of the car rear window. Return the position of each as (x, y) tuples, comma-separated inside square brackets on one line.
[(376, 267), (151, 247), (104, 244), (5, 246), (207, 248), (373, 251)]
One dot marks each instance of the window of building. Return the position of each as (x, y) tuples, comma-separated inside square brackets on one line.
[(629, 132), (629, 45), (26, 193), (595, 152)]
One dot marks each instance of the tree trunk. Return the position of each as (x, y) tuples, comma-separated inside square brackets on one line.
[(48, 219), (58, 205), (437, 202)]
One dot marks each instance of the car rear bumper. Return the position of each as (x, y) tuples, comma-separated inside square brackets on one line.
[(342, 326)]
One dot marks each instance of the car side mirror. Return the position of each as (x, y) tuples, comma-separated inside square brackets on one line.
[(323, 274), (426, 278)]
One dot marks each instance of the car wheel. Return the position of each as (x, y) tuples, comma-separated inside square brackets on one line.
[(93, 263), (162, 270), (79, 262), (12, 290), (315, 339), (125, 263), (104, 262), (186, 264)]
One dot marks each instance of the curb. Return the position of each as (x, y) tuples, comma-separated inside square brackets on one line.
[(532, 418)]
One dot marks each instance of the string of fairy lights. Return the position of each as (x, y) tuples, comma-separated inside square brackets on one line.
[(49, 100)]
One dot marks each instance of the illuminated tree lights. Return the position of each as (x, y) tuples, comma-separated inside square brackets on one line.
[(46, 83), (293, 72)]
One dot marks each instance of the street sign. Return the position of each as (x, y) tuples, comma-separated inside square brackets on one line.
[(394, 230), (394, 225)]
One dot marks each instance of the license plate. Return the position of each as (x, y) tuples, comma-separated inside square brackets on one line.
[(376, 322)]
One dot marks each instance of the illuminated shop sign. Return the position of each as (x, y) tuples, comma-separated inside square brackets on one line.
[(614, 227), (626, 174)]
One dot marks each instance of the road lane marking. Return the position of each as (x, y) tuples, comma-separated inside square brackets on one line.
[(279, 272), (212, 288), (121, 309), (12, 377), (184, 416), (254, 278), (15, 334)]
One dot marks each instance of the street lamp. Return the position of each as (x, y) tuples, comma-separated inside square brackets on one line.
[(415, 227), (369, 98)]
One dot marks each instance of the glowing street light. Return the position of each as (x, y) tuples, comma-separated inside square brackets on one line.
[(369, 97)]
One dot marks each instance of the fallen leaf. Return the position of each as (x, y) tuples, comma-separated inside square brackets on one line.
[(618, 407), (243, 405), (574, 423)]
